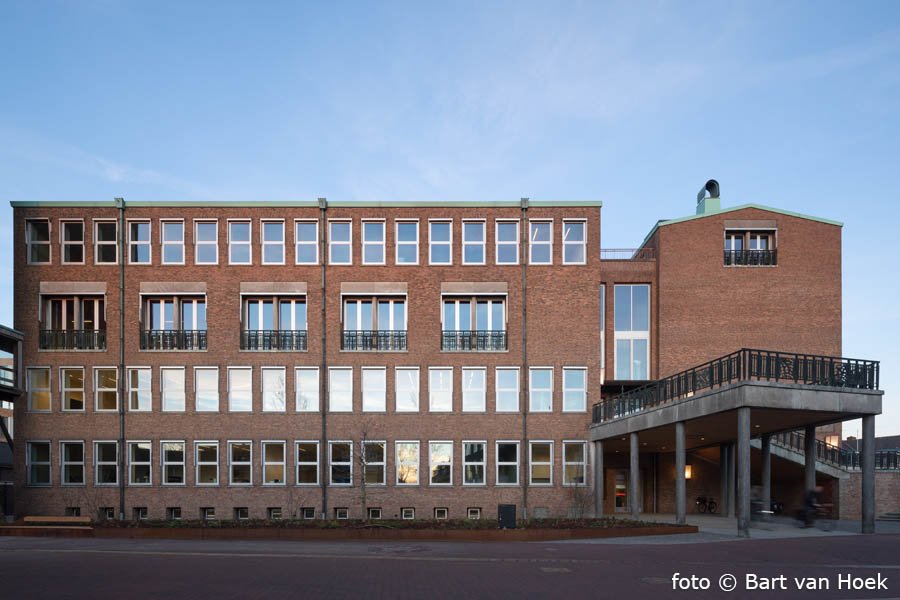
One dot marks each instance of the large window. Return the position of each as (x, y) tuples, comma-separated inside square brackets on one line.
[(274, 389), (240, 389), (172, 463), (174, 323), (373, 462), (440, 389), (406, 389), (440, 463), (374, 389), (474, 389), (172, 387), (307, 463), (206, 458), (240, 250), (574, 242), (440, 242), (407, 454), (272, 242), (274, 323), (39, 392), (374, 323), (751, 248), (574, 389), (632, 334), (540, 391), (139, 460), (206, 389), (38, 459), (72, 241), (507, 463), (407, 243), (240, 463), (273, 463), (507, 389), (72, 323), (473, 323), (473, 243), (340, 390), (574, 463), (540, 242), (473, 462), (72, 388), (106, 389), (172, 233), (373, 242), (106, 463), (139, 392), (340, 461), (541, 463), (340, 245), (306, 237), (37, 238), (72, 459), (206, 242), (507, 242), (140, 252), (306, 389)]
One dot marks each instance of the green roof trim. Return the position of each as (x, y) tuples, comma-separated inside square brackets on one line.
[(736, 208), (301, 204)]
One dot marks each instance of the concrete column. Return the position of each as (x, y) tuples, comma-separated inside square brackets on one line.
[(599, 486), (868, 474), (809, 451), (680, 488), (732, 505), (743, 471), (766, 473), (723, 479), (634, 480)]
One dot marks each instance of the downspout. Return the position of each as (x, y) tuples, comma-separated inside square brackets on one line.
[(523, 379), (120, 205), (323, 370)]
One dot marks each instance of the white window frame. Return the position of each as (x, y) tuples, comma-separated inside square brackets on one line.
[(98, 463), (198, 243), (231, 399), (602, 332), (498, 464), (298, 463), (162, 390), (29, 463), (239, 463), (632, 335), (132, 463), (480, 393), (198, 463), (63, 243), (383, 243), (215, 372), (266, 405), (366, 464), (566, 243), (441, 513), (63, 390), (532, 463), (399, 372), (233, 243), (532, 389), (266, 463), (98, 389), (378, 403), (583, 463), (432, 243), (398, 243), (532, 244), (567, 389), (164, 462), (498, 243), (63, 463), (331, 394), (298, 243), (31, 390), (473, 513), (138, 390), (163, 242), (98, 243), (348, 243), (399, 463), (299, 390), (498, 390), (148, 242), (49, 243), (466, 243), (332, 463), (432, 463), (263, 242), (482, 463), (431, 390), (408, 513)]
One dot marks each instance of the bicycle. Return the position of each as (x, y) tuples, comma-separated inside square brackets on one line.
[(821, 518), (706, 504)]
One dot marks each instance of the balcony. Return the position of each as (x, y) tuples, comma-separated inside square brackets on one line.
[(274, 340), (380, 340), (72, 339), (473, 341), (751, 258), (173, 339)]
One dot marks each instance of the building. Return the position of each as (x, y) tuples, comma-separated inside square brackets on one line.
[(380, 360)]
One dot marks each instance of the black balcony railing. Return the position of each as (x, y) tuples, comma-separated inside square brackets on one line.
[(473, 341), (743, 365), (173, 339), (284, 339), (751, 258), (885, 460), (72, 339), (374, 340)]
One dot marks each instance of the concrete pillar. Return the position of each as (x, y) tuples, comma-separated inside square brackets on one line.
[(599, 487), (723, 479), (868, 474), (809, 451), (732, 505), (680, 488), (743, 471), (634, 480), (766, 474)]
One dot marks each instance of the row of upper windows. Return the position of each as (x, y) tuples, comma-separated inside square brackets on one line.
[(273, 242), (273, 392), (371, 458)]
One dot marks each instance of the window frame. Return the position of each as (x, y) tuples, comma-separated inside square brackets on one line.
[(482, 408), (239, 463), (466, 243), (29, 243), (583, 390), (97, 243), (432, 464), (365, 243), (198, 463), (212, 369), (132, 390), (164, 462), (366, 464), (63, 463), (130, 444), (314, 243), (584, 463), (148, 242), (198, 243), (229, 383), (264, 391), (266, 463), (332, 463), (163, 242), (632, 335), (331, 396), (162, 389), (263, 242), (63, 243), (63, 390), (233, 243), (97, 389), (381, 406), (497, 242), (432, 243), (298, 389), (532, 389), (482, 463), (98, 464), (498, 389), (399, 462), (532, 244), (398, 243), (298, 463), (532, 463), (30, 389), (431, 403), (498, 464), (29, 463), (348, 243), (583, 243), (397, 390)]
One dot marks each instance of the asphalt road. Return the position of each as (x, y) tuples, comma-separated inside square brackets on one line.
[(170, 569)]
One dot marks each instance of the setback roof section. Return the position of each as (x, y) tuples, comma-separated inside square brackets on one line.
[(301, 203), (780, 211)]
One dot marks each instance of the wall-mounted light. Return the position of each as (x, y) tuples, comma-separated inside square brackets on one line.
[(687, 471)]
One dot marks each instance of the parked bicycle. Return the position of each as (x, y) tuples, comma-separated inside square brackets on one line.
[(706, 504)]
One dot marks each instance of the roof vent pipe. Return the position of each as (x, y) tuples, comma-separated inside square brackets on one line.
[(709, 204)]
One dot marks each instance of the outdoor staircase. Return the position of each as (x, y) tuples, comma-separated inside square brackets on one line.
[(891, 516)]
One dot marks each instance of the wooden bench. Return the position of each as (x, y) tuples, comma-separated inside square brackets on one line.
[(57, 520)]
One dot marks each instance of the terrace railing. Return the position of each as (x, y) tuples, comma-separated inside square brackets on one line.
[(72, 339), (374, 340), (628, 254), (173, 339), (274, 340), (473, 341), (751, 258)]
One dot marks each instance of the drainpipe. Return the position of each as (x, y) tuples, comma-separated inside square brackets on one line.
[(523, 379), (120, 205), (323, 370)]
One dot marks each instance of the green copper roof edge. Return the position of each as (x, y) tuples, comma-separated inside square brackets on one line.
[(780, 211), (301, 203)]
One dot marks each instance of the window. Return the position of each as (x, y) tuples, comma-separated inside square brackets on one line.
[(750, 248), (139, 393), (274, 323), (172, 386), (241, 513), (72, 241), (574, 242), (507, 389), (341, 513), (540, 392), (541, 463), (106, 463), (473, 463), (440, 463), (173, 322), (603, 327), (206, 389), (272, 242), (306, 236), (274, 389), (240, 389), (306, 389), (72, 388), (340, 457), (441, 513), (408, 513), (273, 463), (574, 463), (473, 242), (206, 242), (139, 463), (373, 242), (106, 389), (72, 323), (374, 389), (38, 383), (72, 459), (374, 514), (540, 242), (440, 242), (292, 315), (632, 334), (240, 462), (172, 463), (37, 238), (106, 242), (139, 249), (406, 389), (407, 454), (273, 513), (473, 323), (340, 390), (73, 511), (473, 513), (307, 463), (373, 462), (107, 513), (240, 251), (374, 323), (38, 456), (507, 463), (574, 390), (473, 390), (440, 389), (507, 242), (206, 457), (173, 513), (172, 233), (139, 513), (207, 513), (407, 243), (308, 512), (339, 243)]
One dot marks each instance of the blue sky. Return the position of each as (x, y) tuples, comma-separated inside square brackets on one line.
[(791, 104)]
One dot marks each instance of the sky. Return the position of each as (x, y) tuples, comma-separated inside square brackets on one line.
[(637, 103)]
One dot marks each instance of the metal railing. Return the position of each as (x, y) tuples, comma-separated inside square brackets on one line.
[(374, 340), (173, 339), (751, 258), (72, 339), (8, 377), (744, 365), (473, 341), (885, 460), (275, 339), (628, 254)]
